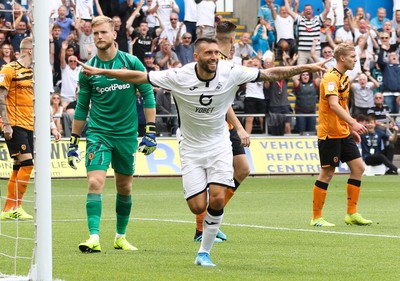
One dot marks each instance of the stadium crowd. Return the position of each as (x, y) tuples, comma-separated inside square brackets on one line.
[(153, 32)]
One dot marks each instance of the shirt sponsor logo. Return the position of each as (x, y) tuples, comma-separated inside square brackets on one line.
[(331, 86), (113, 87)]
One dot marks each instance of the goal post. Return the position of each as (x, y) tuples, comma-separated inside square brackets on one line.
[(42, 266)]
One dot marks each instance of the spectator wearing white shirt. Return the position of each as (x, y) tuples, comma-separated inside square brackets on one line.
[(205, 26), (69, 75), (190, 18), (284, 24), (345, 32), (164, 9), (171, 30), (243, 48)]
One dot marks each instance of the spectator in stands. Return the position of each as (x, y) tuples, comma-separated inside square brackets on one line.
[(381, 112), (69, 75), (184, 48), (120, 29), (371, 145), (378, 21), (165, 56), (345, 33), (263, 37), (284, 26), (150, 18), (164, 106), (359, 14), (56, 110), (396, 20), (69, 113), (56, 40), (127, 8), (363, 93), (306, 91), (66, 24), (83, 9), (276, 93), (391, 81), (109, 8), (164, 8), (328, 26), (3, 38), (190, 17), (364, 29), (391, 32), (205, 25), (308, 28), (143, 40), (18, 35), (149, 62), (327, 53), (7, 54), (266, 12), (254, 102), (173, 28), (243, 48), (87, 48)]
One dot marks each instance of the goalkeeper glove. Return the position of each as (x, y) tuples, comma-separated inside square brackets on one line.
[(148, 143), (73, 152)]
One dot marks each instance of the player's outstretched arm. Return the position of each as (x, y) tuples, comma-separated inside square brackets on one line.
[(130, 76), (286, 72)]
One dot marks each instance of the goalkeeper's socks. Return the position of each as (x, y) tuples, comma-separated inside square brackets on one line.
[(212, 223), (319, 195), (123, 206), (93, 212), (353, 193)]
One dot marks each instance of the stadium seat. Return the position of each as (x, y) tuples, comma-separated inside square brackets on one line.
[(374, 170)]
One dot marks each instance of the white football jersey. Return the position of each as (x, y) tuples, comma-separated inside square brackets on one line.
[(202, 105)]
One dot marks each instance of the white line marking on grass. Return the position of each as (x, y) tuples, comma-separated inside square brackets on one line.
[(259, 227)]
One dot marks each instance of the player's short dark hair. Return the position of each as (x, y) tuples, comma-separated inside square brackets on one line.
[(225, 27), (203, 40)]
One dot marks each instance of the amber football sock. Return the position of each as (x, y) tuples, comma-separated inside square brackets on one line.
[(319, 195), (353, 193)]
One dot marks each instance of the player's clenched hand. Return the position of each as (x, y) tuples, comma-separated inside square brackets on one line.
[(148, 143), (73, 152)]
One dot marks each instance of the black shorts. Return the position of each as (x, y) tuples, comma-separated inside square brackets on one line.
[(21, 142), (331, 151), (254, 106), (237, 148)]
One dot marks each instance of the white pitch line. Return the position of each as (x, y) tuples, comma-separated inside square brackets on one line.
[(259, 227)]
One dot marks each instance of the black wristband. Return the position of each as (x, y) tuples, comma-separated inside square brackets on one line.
[(150, 128), (74, 139)]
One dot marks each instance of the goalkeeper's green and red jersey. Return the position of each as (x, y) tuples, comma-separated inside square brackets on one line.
[(111, 102)]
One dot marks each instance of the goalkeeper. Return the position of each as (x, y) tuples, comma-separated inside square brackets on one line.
[(111, 134)]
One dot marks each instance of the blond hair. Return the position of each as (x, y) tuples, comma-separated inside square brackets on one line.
[(102, 19), (342, 50)]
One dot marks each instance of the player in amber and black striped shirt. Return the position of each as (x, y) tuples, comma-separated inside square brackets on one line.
[(337, 134), (16, 110)]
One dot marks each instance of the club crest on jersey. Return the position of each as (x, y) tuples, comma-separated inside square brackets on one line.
[(335, 159), (23, 147), (331, 86), (91, 156)]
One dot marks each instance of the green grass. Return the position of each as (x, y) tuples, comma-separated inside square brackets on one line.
[(266, 222)]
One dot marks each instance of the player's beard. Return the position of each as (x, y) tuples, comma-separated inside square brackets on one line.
[(103, 45), (204, 65)]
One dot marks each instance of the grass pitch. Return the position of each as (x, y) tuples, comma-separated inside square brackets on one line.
[(267, 223)]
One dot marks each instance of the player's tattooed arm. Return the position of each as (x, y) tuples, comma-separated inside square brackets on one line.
[(3, 107), (286, 72)]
